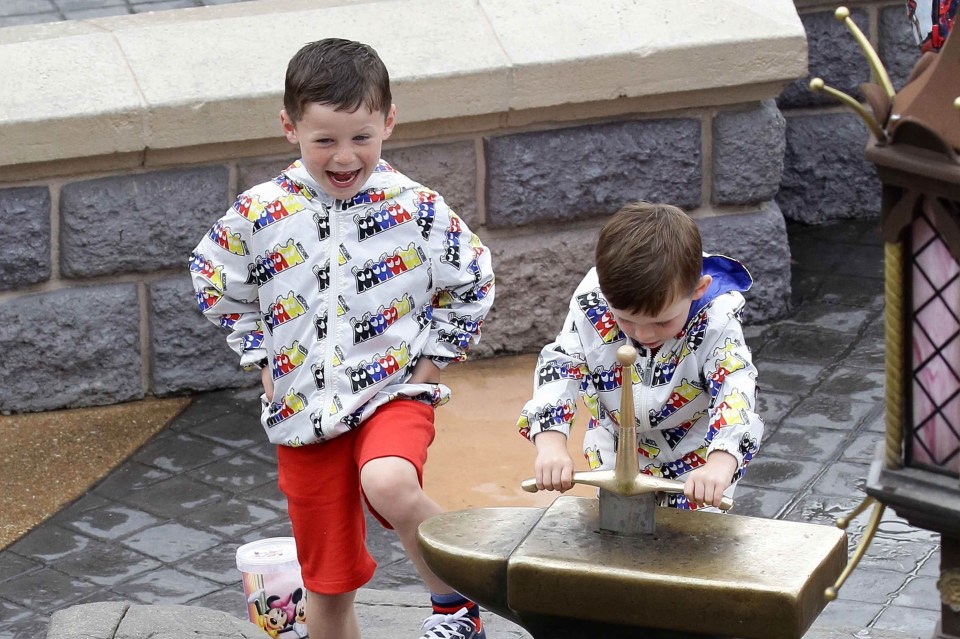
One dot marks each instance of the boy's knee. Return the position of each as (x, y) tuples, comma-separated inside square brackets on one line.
[(389, 481)]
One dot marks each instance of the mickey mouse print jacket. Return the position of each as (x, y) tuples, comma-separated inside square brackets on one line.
[(342, 298), (697, 394)]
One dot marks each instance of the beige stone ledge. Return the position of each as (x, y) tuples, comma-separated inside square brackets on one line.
[(805, 6), (194, 78)]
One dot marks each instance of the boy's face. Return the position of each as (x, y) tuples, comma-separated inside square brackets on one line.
[(339, 148), (651, 331)]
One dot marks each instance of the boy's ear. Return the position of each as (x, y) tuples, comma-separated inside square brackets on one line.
[(702, 286), (390, 122), (289, 128)]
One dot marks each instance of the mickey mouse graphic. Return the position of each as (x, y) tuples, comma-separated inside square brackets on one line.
[(275, 615), (299, 599)]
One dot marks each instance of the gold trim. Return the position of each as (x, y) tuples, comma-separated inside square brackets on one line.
[(893, 335), (627, 465), (817, 85), (830, 594), (843, 522), (949, 586), (879, 73)]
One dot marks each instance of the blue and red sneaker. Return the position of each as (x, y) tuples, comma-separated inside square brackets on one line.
[(459, 625)]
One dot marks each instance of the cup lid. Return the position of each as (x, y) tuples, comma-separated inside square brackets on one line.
[(271, 555)]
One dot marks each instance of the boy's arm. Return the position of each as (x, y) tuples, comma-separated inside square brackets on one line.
[(561, 372), (463, 285), (547, 418), (425, 372), (553, 467), (221, 270), (731, 379), (706, 484)]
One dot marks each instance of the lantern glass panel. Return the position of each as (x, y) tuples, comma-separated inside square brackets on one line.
[(933, 437)]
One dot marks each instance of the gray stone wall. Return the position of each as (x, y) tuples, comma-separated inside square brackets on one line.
[(25, 215), (98, 307), (575, 173), (137, 223), (188, 352), (825, 176), (748, 155), (77, 346)]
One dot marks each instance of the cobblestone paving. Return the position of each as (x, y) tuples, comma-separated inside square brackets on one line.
[(164, 527), (20, 12)]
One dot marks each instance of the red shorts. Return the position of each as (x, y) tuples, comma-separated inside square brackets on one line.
[(322, 485)]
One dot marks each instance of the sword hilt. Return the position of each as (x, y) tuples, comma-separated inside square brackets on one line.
[(626, 478), (641, 485)]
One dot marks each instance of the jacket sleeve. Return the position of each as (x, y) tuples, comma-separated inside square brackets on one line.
[(731, 379), (224, 278), (560, 374), (463, 284)]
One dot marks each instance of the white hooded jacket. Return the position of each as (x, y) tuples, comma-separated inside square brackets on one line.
[(342, 298), (697, 394)]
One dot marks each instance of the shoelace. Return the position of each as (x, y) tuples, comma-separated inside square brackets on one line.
[(447, 626)]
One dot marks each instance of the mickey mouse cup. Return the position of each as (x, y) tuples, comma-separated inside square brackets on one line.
[(273, 586)]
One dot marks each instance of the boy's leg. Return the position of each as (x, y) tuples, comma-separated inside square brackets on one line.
[(326, 513), (391, 467), (393, 489), (332, 616)]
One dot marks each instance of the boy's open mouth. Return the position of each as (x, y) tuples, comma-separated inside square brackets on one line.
[(339, 178)]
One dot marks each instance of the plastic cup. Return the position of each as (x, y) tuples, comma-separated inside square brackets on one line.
[(273, 587)]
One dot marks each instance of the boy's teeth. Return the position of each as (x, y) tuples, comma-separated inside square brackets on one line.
[(343, 177)]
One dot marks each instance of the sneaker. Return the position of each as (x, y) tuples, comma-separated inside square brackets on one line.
[(459, 625)]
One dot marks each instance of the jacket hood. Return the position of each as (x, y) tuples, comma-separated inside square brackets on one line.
[(728, 275)]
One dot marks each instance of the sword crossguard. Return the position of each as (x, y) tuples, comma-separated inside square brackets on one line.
[(641, 485), (626, 479)]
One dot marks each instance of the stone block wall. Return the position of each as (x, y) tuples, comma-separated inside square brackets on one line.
[(96, 305), (825, 174)]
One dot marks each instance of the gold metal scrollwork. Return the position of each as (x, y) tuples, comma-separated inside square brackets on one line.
[(830, 594), (893, 337), (949, 587)]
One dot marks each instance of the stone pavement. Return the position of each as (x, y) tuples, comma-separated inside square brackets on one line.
[(164, 526), (20, 12), (162, 529)]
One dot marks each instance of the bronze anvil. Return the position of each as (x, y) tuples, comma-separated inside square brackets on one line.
[(568, 571), (701, 574)]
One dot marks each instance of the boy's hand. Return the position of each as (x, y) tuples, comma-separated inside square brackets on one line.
[(705, 485), (554, 466), (266, 377), (425, 372)]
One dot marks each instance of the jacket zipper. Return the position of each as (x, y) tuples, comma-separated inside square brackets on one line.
[(646, 379), (332, 307)]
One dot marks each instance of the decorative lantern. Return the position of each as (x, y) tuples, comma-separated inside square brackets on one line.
[(914, 145)]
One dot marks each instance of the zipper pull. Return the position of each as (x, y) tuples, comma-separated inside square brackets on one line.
[(646, 377)]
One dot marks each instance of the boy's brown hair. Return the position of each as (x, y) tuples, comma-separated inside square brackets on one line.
[(342, 73), (648, 256)]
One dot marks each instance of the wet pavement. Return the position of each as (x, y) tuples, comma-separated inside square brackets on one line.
[(20, 12), (163, 528)]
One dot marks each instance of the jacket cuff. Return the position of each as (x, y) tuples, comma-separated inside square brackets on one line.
[(725, 447), (254, 360), (439, 361)]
